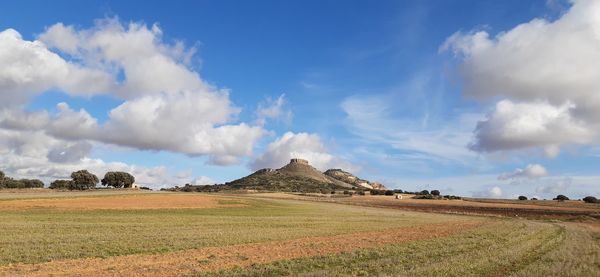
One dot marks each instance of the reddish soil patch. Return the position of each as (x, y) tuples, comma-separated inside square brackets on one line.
[(142, 201), (217, 258)]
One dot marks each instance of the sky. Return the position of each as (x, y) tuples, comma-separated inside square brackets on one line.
[(478, 98)]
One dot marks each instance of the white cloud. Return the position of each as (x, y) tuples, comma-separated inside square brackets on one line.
[(493, 192), (33, 154), (167, 105), (202, 180), (70, 153), (532, 171), (549, 73), (369, 118), (299, 145), (29, 68), (556, 187), (521, 125), (273, 110)]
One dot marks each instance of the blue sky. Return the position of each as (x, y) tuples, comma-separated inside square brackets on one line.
[(391, 90)]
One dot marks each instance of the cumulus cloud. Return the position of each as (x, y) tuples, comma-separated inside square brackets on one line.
[(29, 68), (299, 145), (34, 154), (493, 192), (273, 110), (70, 153), (537, 124), (166, 104), (547, 71), (531, 171)]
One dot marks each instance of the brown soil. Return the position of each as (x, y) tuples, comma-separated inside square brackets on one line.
[(456, 206), (142, 201), (217, 258)]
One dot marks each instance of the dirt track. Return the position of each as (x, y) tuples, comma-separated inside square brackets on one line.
[(216, 258), (128, 202)]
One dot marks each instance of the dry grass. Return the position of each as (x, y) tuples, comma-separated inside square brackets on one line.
[(218, 258), (121, 202), (508, 248), (47, 234)]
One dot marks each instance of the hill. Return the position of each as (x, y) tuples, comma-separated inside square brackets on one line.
[(298, 175)]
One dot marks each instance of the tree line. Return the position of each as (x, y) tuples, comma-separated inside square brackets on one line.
[(83, 180), (10, 183), (80, 180)]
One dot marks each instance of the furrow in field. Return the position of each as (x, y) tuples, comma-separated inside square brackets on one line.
[(217, 258)]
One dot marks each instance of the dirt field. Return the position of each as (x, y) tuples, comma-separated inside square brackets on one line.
[(172, 234), (542, 209), (218, 258), (122, 202)]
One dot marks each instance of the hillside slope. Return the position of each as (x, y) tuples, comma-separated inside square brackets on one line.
[(298, 175), (348, 178)]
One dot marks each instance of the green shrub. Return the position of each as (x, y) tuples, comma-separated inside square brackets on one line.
[(61, 184), (83, 180), (561, 197), (590, 199), (118, 179)]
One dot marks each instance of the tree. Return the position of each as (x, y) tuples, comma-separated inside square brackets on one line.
[(61, 184), (522, 197), (561, 197), (435, 192), (83, 180), (424, 192), (2, 179), (590, 199), (118, 179)]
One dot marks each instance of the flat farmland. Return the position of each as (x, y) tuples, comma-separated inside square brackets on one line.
[(193, 234), (541, 209)]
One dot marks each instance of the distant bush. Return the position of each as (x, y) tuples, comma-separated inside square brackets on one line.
[(435, 192), (534, 198), (389, 192), (424, 192), (61, 184), (561, 197), (361, 192), (425, 196), (374, 192), (10, 183), (452, 197), (590, 199), (522, 197)]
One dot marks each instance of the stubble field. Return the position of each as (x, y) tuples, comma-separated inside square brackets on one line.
[(173, 234)]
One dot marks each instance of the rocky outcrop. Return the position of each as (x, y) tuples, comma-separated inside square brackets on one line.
[(348, 178)]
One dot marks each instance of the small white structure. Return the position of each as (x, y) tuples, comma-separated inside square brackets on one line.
[(398, 196), (135, 186)]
